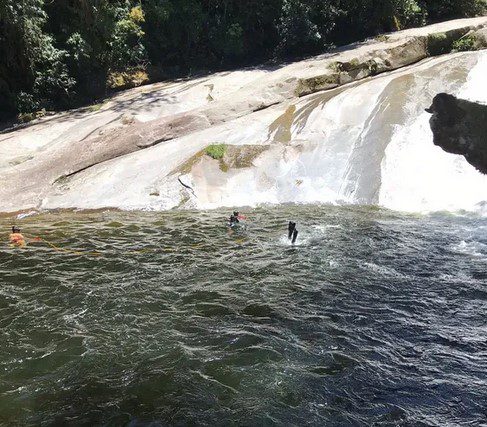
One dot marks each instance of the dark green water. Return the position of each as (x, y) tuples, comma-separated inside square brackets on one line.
[(375, 318)]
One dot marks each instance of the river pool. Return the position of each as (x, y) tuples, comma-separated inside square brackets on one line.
[(152, 319)]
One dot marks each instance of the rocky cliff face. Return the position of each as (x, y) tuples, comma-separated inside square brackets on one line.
[(460, 127)]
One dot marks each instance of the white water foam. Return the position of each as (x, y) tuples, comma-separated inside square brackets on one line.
[(471, 248), (418, 176), (27, 214), (370, 144)]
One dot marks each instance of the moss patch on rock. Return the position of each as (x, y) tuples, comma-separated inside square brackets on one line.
[(216, 151), (127, 79), (28, 117), (455, 40), (242, 156), (315, 84), (382, 38), (234, 157), (412, 50), (345, 66), (480, 36), (95, 107), (465, 44), (343, 73), (438, 44), (187, 166)]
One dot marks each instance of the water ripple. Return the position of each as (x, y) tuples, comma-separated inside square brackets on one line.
[(139, 319)]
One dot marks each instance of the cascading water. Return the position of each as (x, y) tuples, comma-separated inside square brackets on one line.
[(365, 143), (418, 176), (373, 317), (371, 144)]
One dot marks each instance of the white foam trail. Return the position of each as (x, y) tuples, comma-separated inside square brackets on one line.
[(312, 167), (476, 87), (370, 144)]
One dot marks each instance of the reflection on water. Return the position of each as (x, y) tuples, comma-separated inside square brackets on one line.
[(166, 318)]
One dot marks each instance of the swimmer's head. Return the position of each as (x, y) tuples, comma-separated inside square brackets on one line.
[(235, 213), (15, 229)]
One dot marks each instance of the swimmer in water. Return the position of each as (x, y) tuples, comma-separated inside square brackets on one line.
[(235, 219), (16, 237), (292, 232)]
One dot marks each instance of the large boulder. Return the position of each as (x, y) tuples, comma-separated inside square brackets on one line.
[(460, 127)]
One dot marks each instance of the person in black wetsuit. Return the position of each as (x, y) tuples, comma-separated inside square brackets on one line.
[(292, 232), (233, 221)]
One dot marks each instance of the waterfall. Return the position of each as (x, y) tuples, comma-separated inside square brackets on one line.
[(418, 176), (369, 143), (365, 143)]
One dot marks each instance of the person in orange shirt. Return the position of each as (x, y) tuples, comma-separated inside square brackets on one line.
[(16, 238)]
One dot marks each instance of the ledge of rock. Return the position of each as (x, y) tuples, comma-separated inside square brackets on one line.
[(460, 127)]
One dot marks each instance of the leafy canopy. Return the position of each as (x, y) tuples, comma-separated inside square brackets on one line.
[(63, 53)]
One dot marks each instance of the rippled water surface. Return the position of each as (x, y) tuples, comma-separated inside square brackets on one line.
[(167, 319)]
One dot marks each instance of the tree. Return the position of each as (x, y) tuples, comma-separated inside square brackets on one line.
[(364, 18), (439, 10), (33, 69), (62, 53), (174, 32), (304, 25)]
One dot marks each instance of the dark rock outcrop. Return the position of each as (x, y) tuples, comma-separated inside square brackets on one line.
[(460, 127)]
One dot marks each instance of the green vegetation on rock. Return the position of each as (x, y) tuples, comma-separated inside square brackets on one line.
[(28, 117), (216, 151), (95, 107), (188, 165), (127, 79), (439, 44), (314, 84), (228, 156), (61, 54), (382, 38), (442, 43), (465, 44)]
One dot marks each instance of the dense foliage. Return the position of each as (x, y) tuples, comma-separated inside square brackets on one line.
[(61, 53)]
